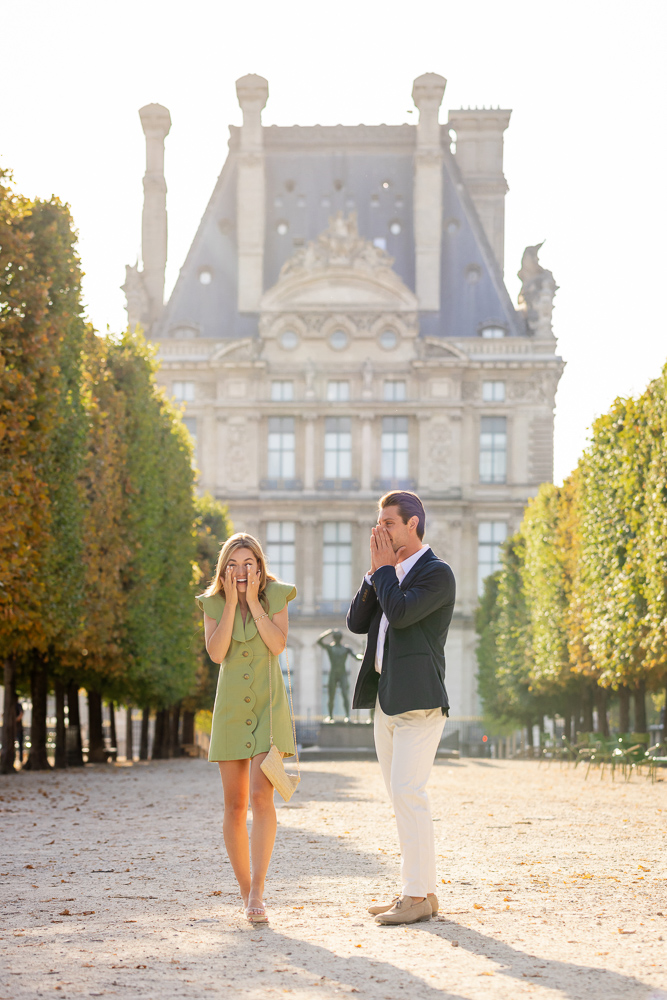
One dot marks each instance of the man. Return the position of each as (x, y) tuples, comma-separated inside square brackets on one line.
[(338, 654), (405, 605)]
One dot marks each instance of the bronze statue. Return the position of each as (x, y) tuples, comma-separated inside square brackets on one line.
[(338, 654)]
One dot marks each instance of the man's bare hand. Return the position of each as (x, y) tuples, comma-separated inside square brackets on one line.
[(382, 551)]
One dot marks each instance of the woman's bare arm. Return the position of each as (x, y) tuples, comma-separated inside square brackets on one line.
[(219, 634)]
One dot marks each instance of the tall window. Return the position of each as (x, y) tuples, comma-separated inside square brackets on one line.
[(394, 462), (280, 538), (184, 392), (493, 392), (337, 561), (282, 391), (395, 390), (191, 424), (337, 448), (338, 392), (493, 450), (490, 536), (281, 448)]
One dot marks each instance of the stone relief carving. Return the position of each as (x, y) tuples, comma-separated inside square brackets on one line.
[(538, 289), (538, 390), (338, 246), (439, 444), (238, 465)]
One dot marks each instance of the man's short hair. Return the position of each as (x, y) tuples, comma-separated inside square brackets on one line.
[(409, 505)]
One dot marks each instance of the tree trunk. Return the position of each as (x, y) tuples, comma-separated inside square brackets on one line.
[(640, 708), (96, 754), (175, 726), (61, 732), (567, 727), (129, 749), (188, 728), (143, 743), (112, 726), (9, 718), (587, 709), (664, 716), (74, 742), (601, 705), (624, 710), (39, 689), (159, 739)]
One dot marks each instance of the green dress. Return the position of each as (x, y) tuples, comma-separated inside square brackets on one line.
[(240, 727)]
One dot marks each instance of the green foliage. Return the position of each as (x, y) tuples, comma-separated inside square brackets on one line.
[(582, 592), (101, 538)]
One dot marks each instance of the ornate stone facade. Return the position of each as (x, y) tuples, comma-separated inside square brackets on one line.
[(337, 346)]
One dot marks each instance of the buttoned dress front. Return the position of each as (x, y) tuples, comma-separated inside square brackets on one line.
[(240, 727)]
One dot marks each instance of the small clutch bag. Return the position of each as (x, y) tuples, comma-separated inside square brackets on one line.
[(273, 767)]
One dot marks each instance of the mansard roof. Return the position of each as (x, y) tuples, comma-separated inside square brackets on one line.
[(312, 173)]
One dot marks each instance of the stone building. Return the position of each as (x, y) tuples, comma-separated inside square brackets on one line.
[(339, 327)]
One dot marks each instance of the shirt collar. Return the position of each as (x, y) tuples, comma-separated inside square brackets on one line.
[(407, 564)]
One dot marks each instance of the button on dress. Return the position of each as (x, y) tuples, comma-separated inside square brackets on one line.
[(240, 728)]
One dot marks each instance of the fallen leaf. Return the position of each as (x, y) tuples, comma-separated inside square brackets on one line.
[(64, 913), (29, 866), (621, 931), (478, 906)]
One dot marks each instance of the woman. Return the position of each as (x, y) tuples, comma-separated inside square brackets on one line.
[(245, 624)]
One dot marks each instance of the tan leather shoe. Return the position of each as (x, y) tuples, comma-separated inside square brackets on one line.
[(404, 911), (376, 910)]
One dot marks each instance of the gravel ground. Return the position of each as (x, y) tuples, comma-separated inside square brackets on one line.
[(115, 883)]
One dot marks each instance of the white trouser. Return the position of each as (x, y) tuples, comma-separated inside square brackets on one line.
[(406, 746)]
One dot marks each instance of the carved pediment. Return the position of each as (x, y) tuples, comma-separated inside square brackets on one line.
[(433, 347), (236, 350), (339, 270)]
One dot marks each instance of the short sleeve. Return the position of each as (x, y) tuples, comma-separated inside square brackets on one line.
[(279, 594), (213, 606)]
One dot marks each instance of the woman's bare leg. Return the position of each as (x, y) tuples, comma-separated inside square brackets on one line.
[(263, 834), (234, 774)]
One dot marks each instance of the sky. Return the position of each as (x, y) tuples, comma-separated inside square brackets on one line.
[(584, 152)]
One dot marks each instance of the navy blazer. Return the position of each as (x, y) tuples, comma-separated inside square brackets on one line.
[(419, 611)]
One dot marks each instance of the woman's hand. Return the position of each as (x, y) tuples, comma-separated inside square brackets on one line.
[(252, 588), (229, 586)]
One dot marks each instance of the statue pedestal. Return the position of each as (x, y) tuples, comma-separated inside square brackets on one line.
[(346, 736)]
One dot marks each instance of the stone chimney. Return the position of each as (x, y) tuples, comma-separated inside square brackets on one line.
[(427, 93), (156, 122), (252, 92), (479, 154)]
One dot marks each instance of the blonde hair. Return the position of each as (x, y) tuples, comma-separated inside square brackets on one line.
[(240, 540)]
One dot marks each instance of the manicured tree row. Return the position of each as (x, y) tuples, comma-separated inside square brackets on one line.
[(578, 612), (97, 508)]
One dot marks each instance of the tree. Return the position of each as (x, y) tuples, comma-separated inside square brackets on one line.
[(41, 440)]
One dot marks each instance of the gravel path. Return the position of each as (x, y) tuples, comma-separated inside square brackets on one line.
[(115, 883)]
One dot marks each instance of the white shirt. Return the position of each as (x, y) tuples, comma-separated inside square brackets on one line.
[(402, 569)]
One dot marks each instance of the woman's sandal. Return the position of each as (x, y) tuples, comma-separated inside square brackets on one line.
[(256, 915)]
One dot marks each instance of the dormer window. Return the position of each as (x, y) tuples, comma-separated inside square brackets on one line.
[(492, 332), (205, 276), (282, 227)]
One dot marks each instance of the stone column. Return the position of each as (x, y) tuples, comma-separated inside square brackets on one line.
[(207, 449), (366, 477), (309, 453), (309, 563), (252, 92), (427, 93), (479, 154), (156, 122)]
